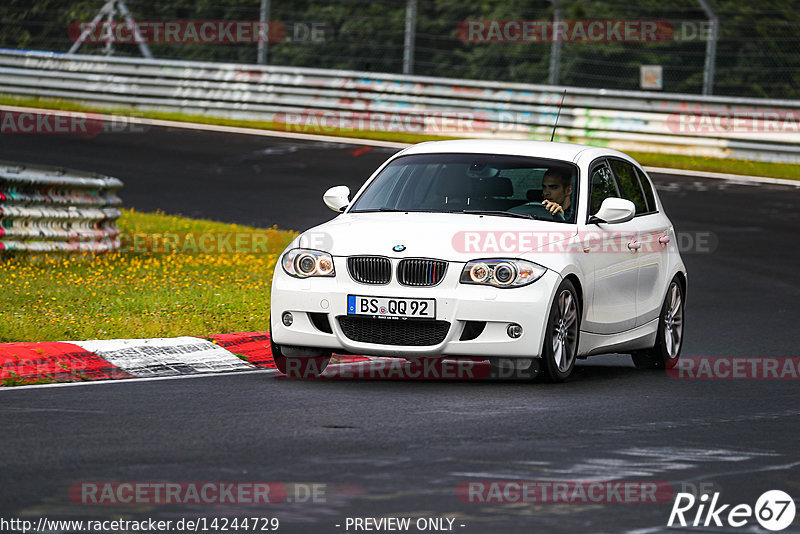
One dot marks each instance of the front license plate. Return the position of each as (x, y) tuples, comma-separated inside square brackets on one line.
[(391, 307)]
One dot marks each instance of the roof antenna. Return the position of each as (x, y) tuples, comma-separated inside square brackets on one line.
[(558, 115)]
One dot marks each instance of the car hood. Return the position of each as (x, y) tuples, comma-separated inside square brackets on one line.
[(447, 236)]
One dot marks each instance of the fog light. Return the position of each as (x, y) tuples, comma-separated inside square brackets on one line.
[(514, 331), (288, 319)]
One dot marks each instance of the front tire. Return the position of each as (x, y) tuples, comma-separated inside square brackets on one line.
[(669, 339), (298, 367), (506, 368), (562, 334)]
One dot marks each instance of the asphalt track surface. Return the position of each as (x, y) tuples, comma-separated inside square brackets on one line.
[(401, 448)]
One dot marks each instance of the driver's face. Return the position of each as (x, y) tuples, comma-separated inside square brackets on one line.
[(553, 190)]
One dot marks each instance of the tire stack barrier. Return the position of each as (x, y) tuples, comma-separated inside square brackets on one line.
[(49, 209)]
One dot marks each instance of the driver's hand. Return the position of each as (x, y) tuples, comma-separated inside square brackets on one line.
[(553, 207)]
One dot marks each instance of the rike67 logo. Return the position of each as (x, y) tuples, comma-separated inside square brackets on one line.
[(774, 510)]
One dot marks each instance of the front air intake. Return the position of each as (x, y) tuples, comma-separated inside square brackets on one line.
[(393, 331)]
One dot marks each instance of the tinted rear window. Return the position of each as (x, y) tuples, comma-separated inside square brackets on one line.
[(648, 191), (628, 184)]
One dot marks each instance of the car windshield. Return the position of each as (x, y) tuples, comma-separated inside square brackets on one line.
[(486, 184)]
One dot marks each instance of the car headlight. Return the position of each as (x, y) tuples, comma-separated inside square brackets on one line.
[(501, 273), (302, 263)]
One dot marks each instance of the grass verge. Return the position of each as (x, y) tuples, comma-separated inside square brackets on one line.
[(66, 105), (16, 380), (51, 297), (692, 163), (731, 166)]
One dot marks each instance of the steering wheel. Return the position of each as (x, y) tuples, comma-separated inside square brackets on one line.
[(536, 209)]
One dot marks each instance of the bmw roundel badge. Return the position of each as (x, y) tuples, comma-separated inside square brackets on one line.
[(399, 248)]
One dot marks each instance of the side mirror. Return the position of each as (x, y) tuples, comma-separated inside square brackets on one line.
[(614, 211), (337, 198)]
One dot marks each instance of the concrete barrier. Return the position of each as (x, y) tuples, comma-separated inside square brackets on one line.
[(322, 101)]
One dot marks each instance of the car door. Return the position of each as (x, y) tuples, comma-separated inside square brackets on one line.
[(656, 236), (651, 240), (612, 259)]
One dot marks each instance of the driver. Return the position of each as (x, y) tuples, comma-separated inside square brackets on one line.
[(557, 193)]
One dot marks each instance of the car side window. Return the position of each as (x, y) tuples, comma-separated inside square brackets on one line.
[(648, 191), (602, 187), (628, 184)]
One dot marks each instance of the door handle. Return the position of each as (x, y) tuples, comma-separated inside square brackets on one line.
[(664, 240), (634, 245)]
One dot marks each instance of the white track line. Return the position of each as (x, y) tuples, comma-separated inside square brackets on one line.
[(223, 129), (724, 176), (134, 380)]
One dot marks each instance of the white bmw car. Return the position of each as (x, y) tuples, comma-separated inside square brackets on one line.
[(527, 254)]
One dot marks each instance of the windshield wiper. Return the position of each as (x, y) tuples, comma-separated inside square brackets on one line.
[(401, 211), (375, 210), (501, 214)]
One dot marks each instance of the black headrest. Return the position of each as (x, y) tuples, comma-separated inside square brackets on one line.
[(534, 195), (452, 181), (497, 187)]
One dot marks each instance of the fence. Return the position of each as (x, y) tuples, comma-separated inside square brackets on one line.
[(324, 101), (755, 55), (51, 209)]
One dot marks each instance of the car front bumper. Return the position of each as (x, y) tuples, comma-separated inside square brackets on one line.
[(456, 303)]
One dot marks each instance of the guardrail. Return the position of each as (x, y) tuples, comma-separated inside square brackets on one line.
[(319, 101), (44, 209)]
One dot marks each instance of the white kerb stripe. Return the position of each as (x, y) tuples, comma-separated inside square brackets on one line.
[(166, 356)]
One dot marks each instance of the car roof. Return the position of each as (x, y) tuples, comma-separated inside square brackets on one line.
[(515, 147)]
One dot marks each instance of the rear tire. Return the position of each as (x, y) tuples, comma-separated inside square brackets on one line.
[(669, 338), (562, 334)]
